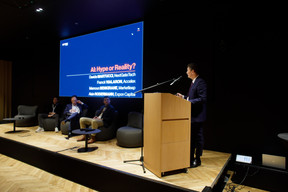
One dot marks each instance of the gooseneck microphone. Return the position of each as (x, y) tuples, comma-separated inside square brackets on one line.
[(176, 80)]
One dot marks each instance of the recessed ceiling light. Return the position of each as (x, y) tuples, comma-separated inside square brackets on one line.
[(38, 10)]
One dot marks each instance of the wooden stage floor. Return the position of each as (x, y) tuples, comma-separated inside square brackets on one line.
[(110, 155)]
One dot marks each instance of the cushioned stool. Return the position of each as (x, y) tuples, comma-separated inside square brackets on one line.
[(129, 137)]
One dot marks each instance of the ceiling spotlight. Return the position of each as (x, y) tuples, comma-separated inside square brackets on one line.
[(39, 10)]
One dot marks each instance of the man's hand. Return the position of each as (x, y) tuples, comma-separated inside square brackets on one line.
[(51, 114), (180, 95), (72, 110)]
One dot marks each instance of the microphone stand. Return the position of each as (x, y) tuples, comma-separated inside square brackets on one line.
[(156, 85), (142, 157)]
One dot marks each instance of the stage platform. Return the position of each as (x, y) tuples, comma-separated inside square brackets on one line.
[(104, 169)]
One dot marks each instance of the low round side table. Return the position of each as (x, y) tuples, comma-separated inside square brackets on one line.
[(86, 132)]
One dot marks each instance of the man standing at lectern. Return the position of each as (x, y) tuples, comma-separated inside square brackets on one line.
[(197, 95)]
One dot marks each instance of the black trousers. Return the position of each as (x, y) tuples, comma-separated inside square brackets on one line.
[(43, 116), (197, 140)]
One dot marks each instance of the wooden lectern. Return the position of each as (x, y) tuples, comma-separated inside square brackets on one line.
[(166, 133)]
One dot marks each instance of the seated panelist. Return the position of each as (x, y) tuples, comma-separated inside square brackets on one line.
[(74, 111), (103, 117)]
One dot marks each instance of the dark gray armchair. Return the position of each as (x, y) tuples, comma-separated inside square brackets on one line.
[(65, 129), (27, 116), (49, 124), (132, 134), (108, 133)]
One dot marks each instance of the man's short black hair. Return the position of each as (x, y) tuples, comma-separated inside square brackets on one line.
[(194, 66), (74, 96), (106, 97)]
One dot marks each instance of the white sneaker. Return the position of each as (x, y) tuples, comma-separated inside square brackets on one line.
[(56, 130), (40, 129)]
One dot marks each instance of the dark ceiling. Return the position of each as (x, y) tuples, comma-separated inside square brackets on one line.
[(23, 27), (60, 19), (64, 18)]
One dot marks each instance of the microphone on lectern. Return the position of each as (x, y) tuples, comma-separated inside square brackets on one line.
[(176, 80)]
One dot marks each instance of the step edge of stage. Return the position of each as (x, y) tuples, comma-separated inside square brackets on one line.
[(4, 142)]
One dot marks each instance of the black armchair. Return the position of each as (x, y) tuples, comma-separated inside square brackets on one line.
[(49, 124), (108, 133), (27, 116)]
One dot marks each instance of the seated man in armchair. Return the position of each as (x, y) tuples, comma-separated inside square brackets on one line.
[(103, 117), (73, 112), (54, 110)]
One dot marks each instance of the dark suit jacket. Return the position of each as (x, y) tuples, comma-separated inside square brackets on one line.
[(69, 106), (58, 109), (107, 116), (198, 98)]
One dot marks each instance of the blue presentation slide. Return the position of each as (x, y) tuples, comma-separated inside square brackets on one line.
[(104, 63)]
